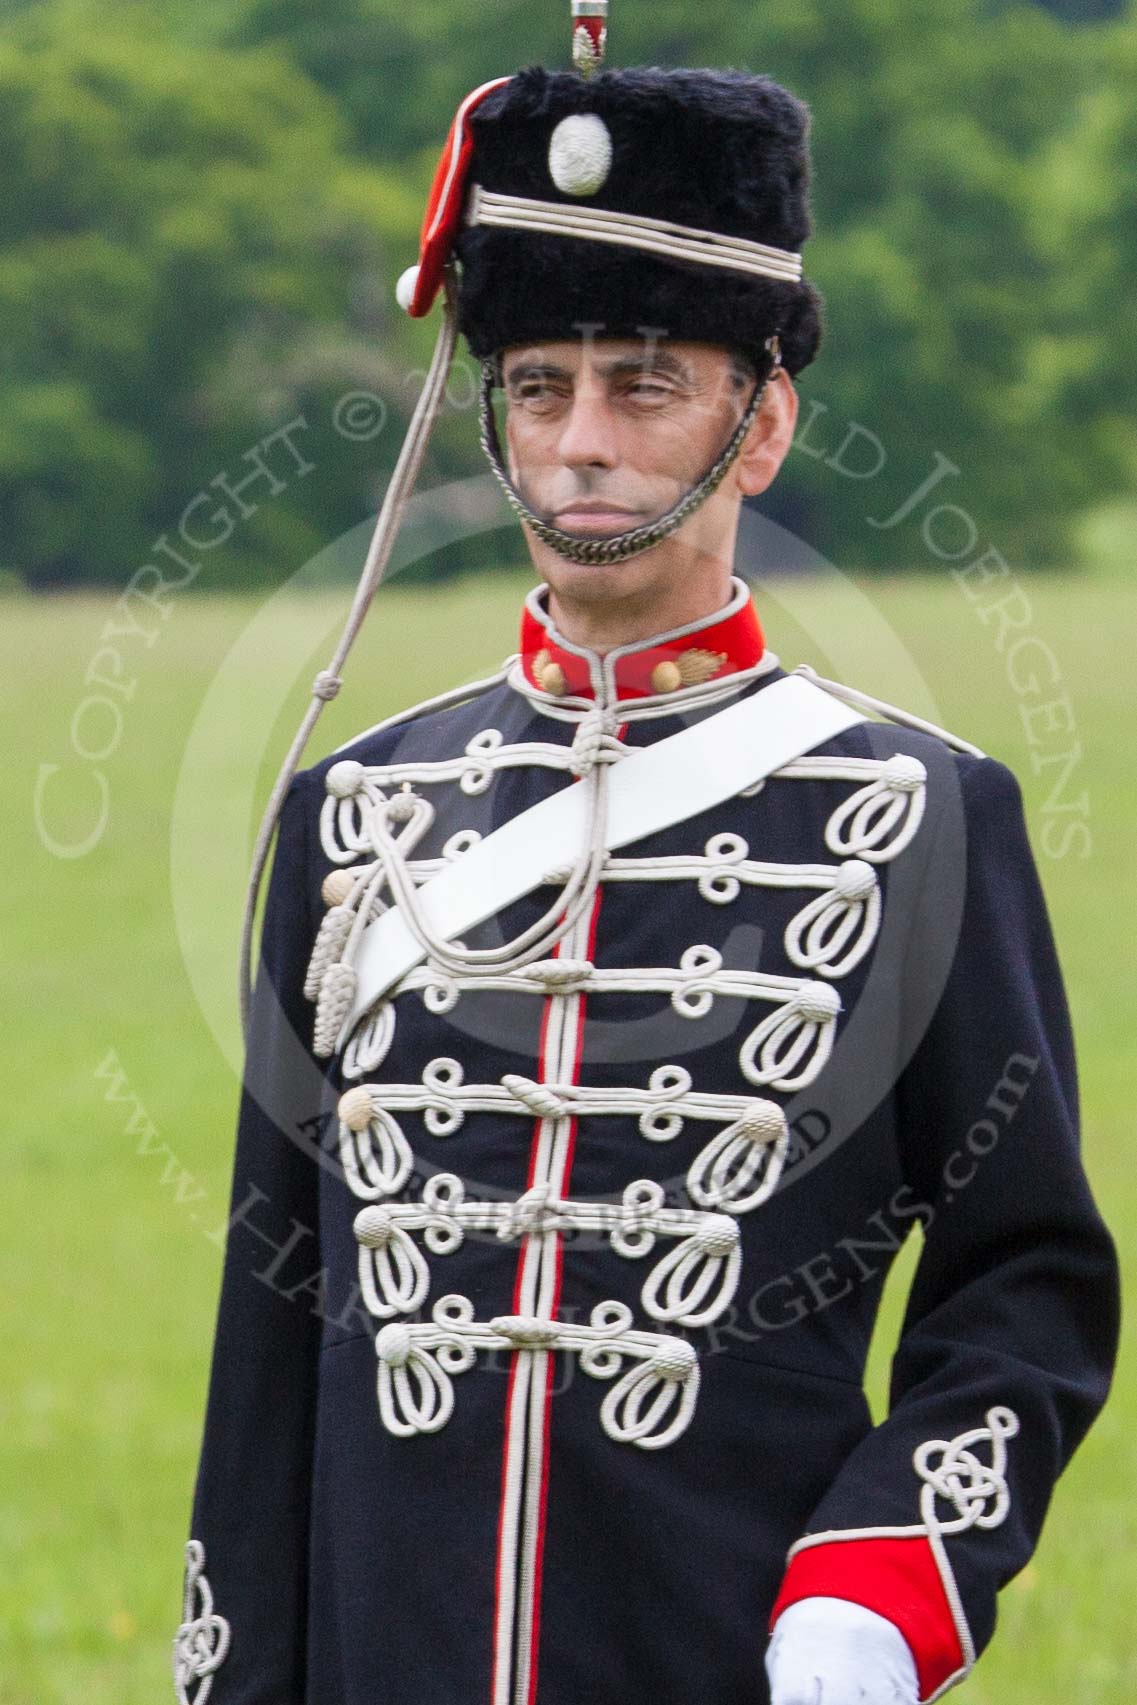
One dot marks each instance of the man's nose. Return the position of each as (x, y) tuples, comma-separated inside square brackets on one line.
[(590, 434)]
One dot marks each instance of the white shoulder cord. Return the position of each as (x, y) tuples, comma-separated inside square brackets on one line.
[(328, 682), (865, 701)]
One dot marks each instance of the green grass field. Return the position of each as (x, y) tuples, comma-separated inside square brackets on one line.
[(122, 960)]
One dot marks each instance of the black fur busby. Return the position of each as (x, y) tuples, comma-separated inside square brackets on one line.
[(719, 151)]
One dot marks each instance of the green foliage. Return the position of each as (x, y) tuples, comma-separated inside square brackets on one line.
[(1086, 209), (175, 228), (203, 212)]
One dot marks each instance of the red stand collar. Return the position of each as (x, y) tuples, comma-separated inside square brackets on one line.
[(719, 646)]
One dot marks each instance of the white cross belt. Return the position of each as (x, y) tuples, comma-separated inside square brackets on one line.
[(656, 786)]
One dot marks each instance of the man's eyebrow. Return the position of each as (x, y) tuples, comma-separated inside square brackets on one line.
[(651, 361), (535, 370)]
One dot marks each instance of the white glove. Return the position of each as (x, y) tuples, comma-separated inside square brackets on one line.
[(826, 1651)]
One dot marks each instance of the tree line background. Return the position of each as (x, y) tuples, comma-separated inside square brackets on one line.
[(204, 209)]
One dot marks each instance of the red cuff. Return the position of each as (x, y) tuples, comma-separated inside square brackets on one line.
[(900, 1580)]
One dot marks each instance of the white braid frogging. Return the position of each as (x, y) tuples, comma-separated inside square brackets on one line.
[(649, 1406), (786, 1050), (690, 1286), (829, 936), (734, 1172), (202, 1640), (876, 822), (378, 1160), (359, 810)]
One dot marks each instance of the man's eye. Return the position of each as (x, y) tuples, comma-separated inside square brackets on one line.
[(534, 394), (647, 390)]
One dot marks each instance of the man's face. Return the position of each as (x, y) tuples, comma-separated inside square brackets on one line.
[(607, 435)]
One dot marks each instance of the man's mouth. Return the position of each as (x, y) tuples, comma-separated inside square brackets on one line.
[(595, 517)]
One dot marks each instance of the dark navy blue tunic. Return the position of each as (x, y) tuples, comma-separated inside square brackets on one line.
[(399, 1503)]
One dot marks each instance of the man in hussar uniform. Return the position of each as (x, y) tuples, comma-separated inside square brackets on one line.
[(617, 1018)]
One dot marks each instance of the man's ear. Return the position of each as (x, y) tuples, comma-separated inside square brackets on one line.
[(769, 439)]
